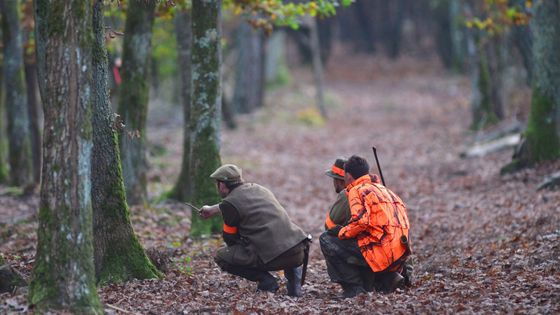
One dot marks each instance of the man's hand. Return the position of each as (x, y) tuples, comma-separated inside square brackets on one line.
[(334, 231), (208, 211)]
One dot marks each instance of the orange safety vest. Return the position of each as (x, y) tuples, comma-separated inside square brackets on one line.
[(379, 222)]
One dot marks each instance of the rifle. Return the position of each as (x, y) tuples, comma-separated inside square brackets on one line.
[(378, 166)]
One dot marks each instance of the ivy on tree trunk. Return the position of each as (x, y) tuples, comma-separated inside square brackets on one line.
[(134, 93), (20, 158), (119, 256), (206, 110), (63, 273)]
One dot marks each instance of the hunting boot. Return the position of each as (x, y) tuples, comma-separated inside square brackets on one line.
[(293, 275), (351, 290), (391, 281), (408, 274), (267, 283)]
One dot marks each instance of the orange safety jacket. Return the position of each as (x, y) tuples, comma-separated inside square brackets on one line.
[(379, 222)]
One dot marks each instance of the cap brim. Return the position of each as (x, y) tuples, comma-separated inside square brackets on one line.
[(329, 173)]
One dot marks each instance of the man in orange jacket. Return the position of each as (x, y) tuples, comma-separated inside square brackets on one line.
[(376, 235)]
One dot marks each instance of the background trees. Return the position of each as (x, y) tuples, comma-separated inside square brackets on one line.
[(133, 100), (20, 158)]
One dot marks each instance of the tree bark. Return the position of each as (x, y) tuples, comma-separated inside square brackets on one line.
[(118, 254), (34, 112), (317, 67), (249, 87), (134, 93), (64, 274), (543, 127), (205, 115), (19, 138), (182, 190), (3, 142)]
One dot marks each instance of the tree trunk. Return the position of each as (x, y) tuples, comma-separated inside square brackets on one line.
[(486, 65), (394, 21), (118, 254), (134, 93), (34, 111), (182, 190), (205, 115), (317, 67), (249, 87), (3, 142), (64, 274), (543, 127), (19, 138)]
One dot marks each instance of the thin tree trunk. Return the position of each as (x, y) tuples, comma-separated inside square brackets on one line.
[(248, 81), (34, 111), (64, 274), (182, 190), (134, 94), (206, 109), (3, 140), (317, 67), (20, 157), (394, 27), (118, 254)]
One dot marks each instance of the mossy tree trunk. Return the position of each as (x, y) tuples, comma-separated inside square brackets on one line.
[(206, 107), (19, 138), (118, 254), (64, 274), (486, 63), (134, 93), (182, 190), (542, 136)]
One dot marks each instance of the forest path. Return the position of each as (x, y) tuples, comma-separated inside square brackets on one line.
[(483, 243)]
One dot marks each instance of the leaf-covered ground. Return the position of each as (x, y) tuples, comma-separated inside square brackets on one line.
[(483, 243)]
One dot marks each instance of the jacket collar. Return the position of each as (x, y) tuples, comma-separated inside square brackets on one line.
[(366, 179)]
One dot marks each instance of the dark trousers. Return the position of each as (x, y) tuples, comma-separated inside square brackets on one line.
[(345, 263), (242, 260)]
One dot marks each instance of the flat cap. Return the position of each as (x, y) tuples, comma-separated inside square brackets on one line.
[(337, 170), (228, 173)]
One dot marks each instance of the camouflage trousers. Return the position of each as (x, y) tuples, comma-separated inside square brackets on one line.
[(346, 264)]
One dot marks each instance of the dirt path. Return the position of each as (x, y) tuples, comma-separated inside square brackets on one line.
[(483, 243)]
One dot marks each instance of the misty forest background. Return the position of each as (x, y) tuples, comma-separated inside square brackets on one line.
[(114, 113)]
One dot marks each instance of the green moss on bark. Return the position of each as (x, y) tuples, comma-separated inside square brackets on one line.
[(134, 93), (205, 111), (543, 141), (483, 115)]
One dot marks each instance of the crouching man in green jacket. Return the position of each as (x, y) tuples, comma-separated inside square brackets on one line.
[(260, 236)]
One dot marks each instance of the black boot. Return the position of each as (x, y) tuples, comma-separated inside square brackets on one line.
[(293, 275), (351, 291), (267, 283), (391, 281)]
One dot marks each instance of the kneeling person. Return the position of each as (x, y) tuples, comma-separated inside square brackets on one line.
[(376, 235), (260, 236)]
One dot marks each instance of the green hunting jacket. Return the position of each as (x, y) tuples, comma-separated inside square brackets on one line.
[(339, 213), (263, 221)]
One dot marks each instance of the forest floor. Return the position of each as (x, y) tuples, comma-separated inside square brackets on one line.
[(483, 243)]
